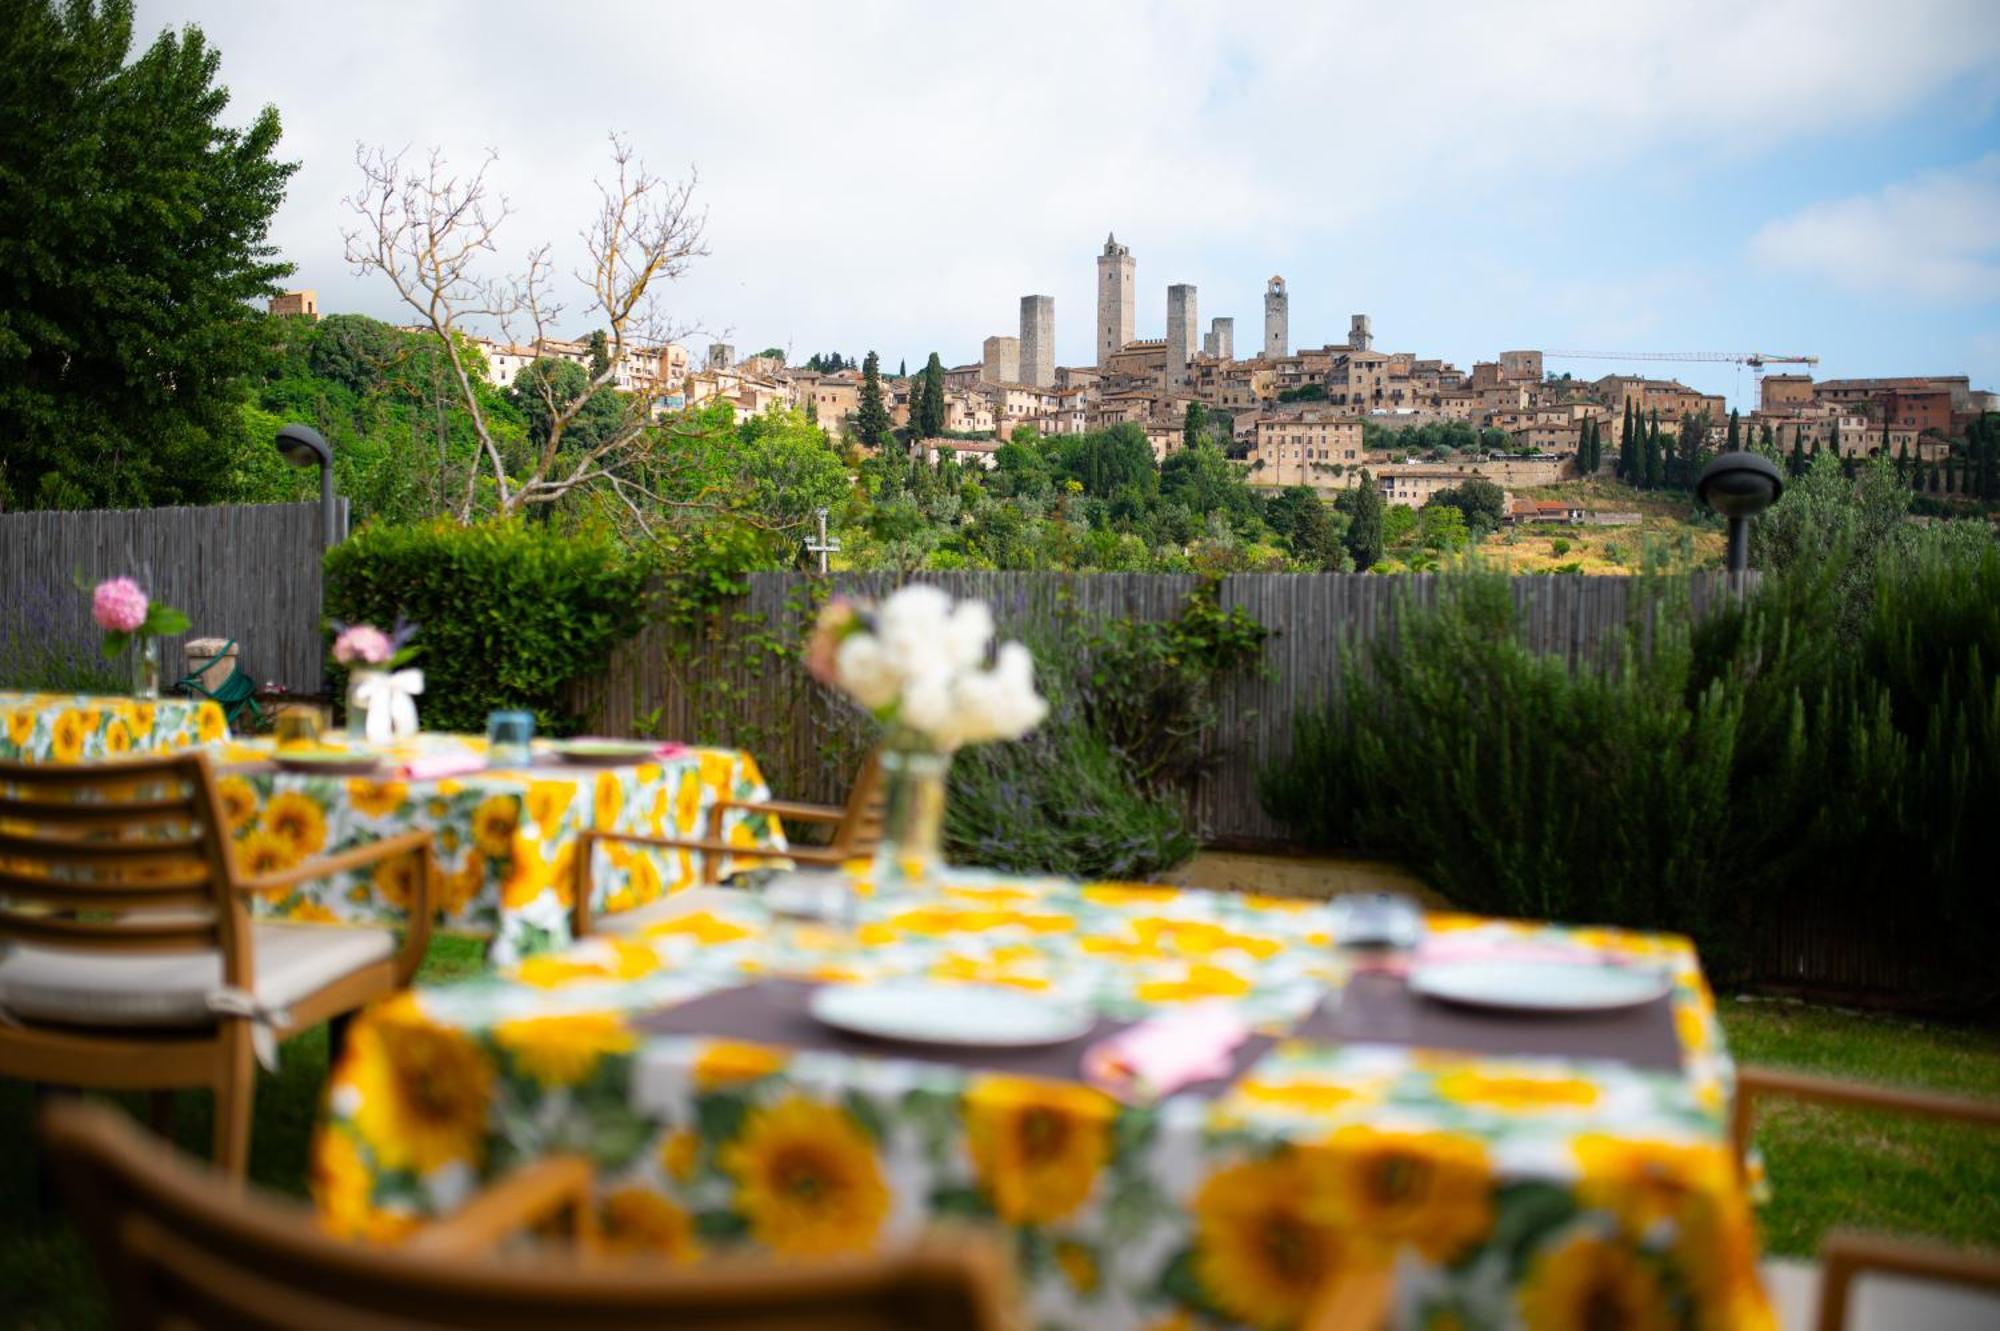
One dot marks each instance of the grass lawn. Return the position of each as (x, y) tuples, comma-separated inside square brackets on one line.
[(1827, 1167)]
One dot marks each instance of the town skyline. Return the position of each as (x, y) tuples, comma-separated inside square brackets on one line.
[(1663, 183)]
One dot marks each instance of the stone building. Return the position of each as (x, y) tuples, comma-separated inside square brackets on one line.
[(1038, 340), (1359, 335), (1220, 340), (721, 355), (1181, 320), (1277, 320), (1116, 272), (1307, 446), (1000, 360), (300, 304), (1521, 365)]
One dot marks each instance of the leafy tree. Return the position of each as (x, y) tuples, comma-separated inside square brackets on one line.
[(133, 235), (1193, 425), (1441, 527), (1110, 461), (1903, 463), (600, 353), (354, 351), (1734, 443), (1366, 529), (1690, 449), (871, 418), (776, 354), (1656, 467), (1481, 503), (928, 416), (1315, 537)]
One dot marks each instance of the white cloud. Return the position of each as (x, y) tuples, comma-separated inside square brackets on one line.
[(1935, 237), (899, 174)]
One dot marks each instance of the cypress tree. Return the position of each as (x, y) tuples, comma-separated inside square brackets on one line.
[(1798, 465), (1625, 445), (931, 415), (871, 418), (1833, 437), (902, 369), (1364, 523), (1735, 442), (1656, 462), (1903, 463), (1936, 481)]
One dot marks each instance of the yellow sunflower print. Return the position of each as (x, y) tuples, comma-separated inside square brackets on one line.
[(687, 805), (452, 890), (564, 1050), (808, 1180), (20, 727), (1078, 1265), (297, 819), (209, 725), (528, 876), (66, 737), (494, 823), (117, 739), (641, 1221), (732, 1062), (609, 799), (375, 799), (1516, 1094), (1037, 1147), (547, 801), (1430, 1189), (1264, 1250), (1590, 1282), (344, 1189), (1645, 1182), (424, 1090), (263, 852), (238, 799), (680, 1154), (395, 880), (144, 715)]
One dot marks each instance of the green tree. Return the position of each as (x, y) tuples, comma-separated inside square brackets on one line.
[(871, 418), (1628, 457), (1656, 465), (1315, 537), (1193, 425), (928, 416), (600, 354), (1482, 503), (1734, 443), (1366, 529), (133, 237), (773, 353), (1903, 463), (1441, 527)]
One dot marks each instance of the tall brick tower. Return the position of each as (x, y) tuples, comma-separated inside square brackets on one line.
[(1038, 340), (1181, 321), (1277, 334), (1116, 271)]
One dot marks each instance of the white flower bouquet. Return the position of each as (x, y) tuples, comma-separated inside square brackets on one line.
[(919, 663)]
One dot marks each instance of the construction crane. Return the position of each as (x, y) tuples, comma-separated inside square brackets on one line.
[(1756, 360)]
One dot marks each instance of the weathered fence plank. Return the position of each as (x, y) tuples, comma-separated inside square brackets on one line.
[(249, 572)]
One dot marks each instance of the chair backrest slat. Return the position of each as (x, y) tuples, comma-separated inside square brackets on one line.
[(90, 852), (860, 825), (182, 1248)]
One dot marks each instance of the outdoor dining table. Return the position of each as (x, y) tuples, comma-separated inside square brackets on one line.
[(504, 838), (79, 727), (1512, 1172)]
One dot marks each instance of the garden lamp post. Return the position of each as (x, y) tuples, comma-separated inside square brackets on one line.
[(303, 446), (1739, 486)]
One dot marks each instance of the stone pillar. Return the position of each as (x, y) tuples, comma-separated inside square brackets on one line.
[(1038, 340)]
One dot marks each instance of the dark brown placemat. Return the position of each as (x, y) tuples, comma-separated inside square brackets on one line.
[(1380, 1008), (774, 1012)]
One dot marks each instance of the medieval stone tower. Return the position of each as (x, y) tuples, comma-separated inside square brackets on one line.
[(1181, 320), (1116, 271), (1276, 319), (1360, 337), (1038, 340), (1220, 340)]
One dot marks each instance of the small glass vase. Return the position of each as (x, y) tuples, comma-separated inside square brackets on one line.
[(357, 713), (146, 668), (912, 848)]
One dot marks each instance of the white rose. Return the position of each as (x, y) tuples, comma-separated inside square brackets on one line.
[(913, 620), (929, 706), (968, 634), (861, 669)]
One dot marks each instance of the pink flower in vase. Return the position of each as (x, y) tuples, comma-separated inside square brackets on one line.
[(363, 643), (118, 605)]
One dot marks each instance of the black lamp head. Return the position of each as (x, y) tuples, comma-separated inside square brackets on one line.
[(1740, 485), (303, 446)]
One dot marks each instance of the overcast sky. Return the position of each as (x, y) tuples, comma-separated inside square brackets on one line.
[(1773, 176)]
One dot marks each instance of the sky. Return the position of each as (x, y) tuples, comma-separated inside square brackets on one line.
[(1781, 176)]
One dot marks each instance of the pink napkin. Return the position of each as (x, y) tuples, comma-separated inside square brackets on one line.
[(434, 766), (670, 750), (1164, 1053)]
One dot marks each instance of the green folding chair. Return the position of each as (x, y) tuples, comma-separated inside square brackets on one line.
[(234, 695)]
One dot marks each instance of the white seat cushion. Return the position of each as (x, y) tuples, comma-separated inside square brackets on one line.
[(1879, 1302), (289, 961)]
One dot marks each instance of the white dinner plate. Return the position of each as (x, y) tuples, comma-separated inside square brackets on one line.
[(948, 1014), (1538, 986), (334, 762), (605, 752)]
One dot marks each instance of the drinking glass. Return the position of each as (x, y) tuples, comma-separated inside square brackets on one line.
[(507, 736), (1376, 923), (296, 727)]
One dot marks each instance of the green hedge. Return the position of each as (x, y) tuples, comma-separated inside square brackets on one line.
[(1829, 750), (507, 612)]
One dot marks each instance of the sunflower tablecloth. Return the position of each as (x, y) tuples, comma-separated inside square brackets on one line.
[(504, 848), (1540, 1193), (77, 727)]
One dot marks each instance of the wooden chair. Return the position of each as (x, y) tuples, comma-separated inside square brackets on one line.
[(1846, 1254), (180, 1249), (857, 827), (134, 964)]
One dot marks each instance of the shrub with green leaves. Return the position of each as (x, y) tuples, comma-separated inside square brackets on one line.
[(507, 612)]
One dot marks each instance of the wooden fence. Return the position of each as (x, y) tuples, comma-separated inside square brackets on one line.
[(249, 572), (724, 683)]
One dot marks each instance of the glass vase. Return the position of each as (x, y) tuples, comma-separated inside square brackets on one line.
[(357, 712), (146, 668), (912, 849)]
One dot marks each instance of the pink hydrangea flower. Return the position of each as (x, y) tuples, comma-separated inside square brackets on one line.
[(363, 643), (118, 605)]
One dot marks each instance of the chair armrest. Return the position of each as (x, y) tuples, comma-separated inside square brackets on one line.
[(810, 813), (359, 857), (1846, 1255), (1753, 1083), (523, 1199)]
